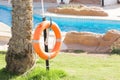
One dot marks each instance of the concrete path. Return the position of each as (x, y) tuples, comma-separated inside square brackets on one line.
[(113, 10)]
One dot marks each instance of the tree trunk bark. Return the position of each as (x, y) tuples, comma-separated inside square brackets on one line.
[(20, 57)]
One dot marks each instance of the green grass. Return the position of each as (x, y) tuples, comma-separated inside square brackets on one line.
[(70, 67)]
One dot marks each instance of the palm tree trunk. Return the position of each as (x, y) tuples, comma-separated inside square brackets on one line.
[(20, 57)]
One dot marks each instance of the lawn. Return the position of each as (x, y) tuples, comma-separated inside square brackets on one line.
[(68, 66)]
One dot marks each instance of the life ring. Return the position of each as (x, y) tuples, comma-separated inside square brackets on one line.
[(38, 33)]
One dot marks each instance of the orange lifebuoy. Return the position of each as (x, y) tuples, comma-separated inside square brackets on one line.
[(37, 34)]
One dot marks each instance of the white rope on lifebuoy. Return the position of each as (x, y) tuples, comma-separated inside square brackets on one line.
[(37, 36)]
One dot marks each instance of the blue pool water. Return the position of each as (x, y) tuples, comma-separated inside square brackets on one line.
[(68, 24)]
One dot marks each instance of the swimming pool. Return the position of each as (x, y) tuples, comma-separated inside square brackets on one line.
[(68, 24)]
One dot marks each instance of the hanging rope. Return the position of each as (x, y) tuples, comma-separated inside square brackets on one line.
[(43, 13), (47, 32), (50, 22)]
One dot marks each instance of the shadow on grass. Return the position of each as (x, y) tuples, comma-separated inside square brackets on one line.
[(3, 52), (74, 51), (47, 75), (5, 75), (36, 74)]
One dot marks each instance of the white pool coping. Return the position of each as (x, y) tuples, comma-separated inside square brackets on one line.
[(82, 17)]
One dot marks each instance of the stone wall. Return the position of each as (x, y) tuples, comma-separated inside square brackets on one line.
[(53, 1), (92, 42), (80, 10), (75, 1), (87, 1)]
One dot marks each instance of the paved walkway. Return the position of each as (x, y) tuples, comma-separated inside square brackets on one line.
[(112, 10)]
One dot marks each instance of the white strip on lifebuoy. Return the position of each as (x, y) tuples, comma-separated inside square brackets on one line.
[(37, 34)]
